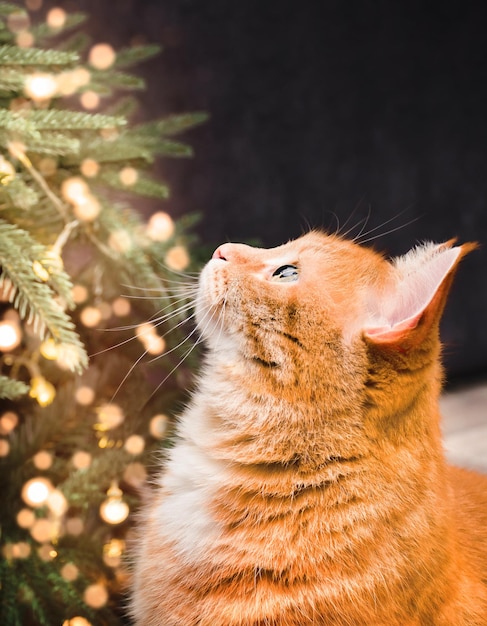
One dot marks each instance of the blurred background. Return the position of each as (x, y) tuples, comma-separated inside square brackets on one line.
[(368, 116)]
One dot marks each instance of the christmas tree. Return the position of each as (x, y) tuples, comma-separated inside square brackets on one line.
[(90, 327)]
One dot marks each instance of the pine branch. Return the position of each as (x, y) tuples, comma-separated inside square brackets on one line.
[(12, 389), (13, 55), (35, 300), (128, 57), (144, 186)]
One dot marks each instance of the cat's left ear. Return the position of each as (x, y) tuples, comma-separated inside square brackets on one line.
[(408, 309)]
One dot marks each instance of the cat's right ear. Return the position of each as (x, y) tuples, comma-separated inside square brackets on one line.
[(412, 305)]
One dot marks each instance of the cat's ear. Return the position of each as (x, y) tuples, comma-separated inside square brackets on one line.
[(407, 310)]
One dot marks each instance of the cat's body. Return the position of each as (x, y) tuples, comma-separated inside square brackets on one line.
[(308, 485)]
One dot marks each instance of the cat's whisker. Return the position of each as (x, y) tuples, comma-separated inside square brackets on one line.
[(390, 231)]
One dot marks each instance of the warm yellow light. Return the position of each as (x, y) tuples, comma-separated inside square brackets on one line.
[(21, 550), (42, 390), (177, 258), (77, 621), (81, 459), (121, 307), (74, 526), (69, 572), (89, 100), (49, 349), (10, 336), (33, 5), (74, 189), (135, 444), (25, 518), (114, 510), (147, 329), (4, 448), (46, 552), (40, 86), (40, 271), (160, 226), (102, 56), (158, 426), (18, 21), (56, 18), (154, 344), (84, 395), (35, 491), (109, 416), (42, 530), (79, 294), (42, 460), (120, 241), (57, 503), (112, 552), (135, 474), (90, 316), (8, 421), (89, 168), (24, 39), (88, 209), (96, 596), (128, 176)]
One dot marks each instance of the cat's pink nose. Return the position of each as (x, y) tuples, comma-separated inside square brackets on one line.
[(223, 252)]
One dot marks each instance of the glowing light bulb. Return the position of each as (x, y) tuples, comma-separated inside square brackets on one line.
[(121, 307), (95, 596), (56, 18), (128, 176), (25, 518), (35, 491), (89, 100), (49, 349), (77, 621), (160, 227), (177, 258), (69, 572), (8, 421), (57, 503), (7, 171), (84, 395), (24, 39), (109, 416), (42, 460), (89, 168), (79, 294), (102, 56), (41, 530), (74, 526), (112, 552), (90, 316), (120, 241), (154, 344), (10, 336), (81, 459), (40, 86), (21, 550), (40, 271), (158, 426), (4, 448), (135, 444), (42, 390), (135, 475), (114, 510)]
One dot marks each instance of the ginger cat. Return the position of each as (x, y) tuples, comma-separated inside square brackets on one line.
[(308, 484)]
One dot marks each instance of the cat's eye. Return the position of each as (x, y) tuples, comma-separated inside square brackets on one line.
[(286, 274)]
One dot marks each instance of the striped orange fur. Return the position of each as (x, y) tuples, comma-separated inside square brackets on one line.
[(308, 483)]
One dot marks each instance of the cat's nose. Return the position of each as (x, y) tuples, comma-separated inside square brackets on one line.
[(222, 252), (236, 252)]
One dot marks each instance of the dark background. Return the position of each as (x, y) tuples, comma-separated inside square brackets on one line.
[(324, 111)]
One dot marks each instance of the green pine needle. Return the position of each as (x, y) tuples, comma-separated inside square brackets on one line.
[(12, 389), (13, 55)]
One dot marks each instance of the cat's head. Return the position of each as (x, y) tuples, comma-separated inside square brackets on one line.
[(322, 304)]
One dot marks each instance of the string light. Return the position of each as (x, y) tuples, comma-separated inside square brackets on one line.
[(74, 526), (41, 530), (158, 426), (135, 444), (10, 336), (90, 316), (114, 510), (110, 416), (25, 518), (160, 227), (21, 550), (42, 460), (89, 168), (102, 56), (24, 39), (77, 621), (47, 552), (120, 241), (147, 335), (128, 176), (8, 421), (81, 459), (4, 447), (40, 271), (40, 86), (121, 307), (47, 166), (79, 293), (33, 5), (18, 21), (49, 349), (76, 191), (96, 595), (135, 475), (42, 390), (177, 258), (84, 395), (56, 18), (112, 552), (69, 572), (69, 82), (89, 100), (35, 491)]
